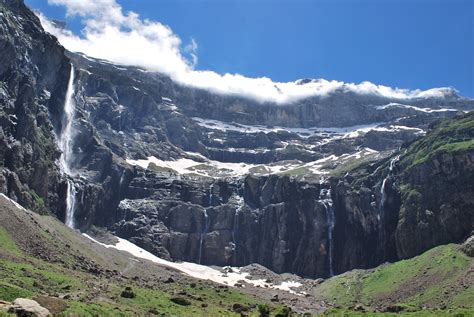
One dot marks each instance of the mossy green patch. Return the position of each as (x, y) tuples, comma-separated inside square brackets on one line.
[(75, 308), (420, 313), (421, 281), (465, 298), (341, 290), (358, 163), (7, 243), (449, 136), (441, 262), (9, 292)]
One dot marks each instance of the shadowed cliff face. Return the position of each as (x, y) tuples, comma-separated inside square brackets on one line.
[(437, 186), (312, 201), (33, 80)]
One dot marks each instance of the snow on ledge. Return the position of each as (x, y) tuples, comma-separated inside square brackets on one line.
[(231, 278), (216, 169), (427, 110), (13, 202)]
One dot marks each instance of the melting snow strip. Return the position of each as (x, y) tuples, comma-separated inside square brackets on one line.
[(232, 277), (13, 202)]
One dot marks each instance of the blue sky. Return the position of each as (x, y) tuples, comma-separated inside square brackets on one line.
[(403, 43)]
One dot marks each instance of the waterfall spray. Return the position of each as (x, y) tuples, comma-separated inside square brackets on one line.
[(384, 182), (201, 239), (381, 215), (206, 223), (326, 200), (235, 226), (65, 145), (70, 204)]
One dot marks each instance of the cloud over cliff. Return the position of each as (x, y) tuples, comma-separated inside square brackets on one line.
[(124, 38)]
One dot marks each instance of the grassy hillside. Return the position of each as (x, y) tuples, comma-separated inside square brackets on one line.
[(438, 282)]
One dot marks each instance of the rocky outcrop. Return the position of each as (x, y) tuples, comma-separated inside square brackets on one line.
[(28, 307), (468, 246)]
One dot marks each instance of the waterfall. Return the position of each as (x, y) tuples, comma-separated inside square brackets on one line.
[(382, 197), (326, 200), (235, 226), (206, 223), (66, 135), (65, 145), (381, 215), (384, 182), (204, 231), (70, 204), (211, 188)]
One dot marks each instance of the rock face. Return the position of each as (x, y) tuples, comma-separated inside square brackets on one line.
[(437, 188), (468, 246), (269, 220), (33, 78), (224, 183)]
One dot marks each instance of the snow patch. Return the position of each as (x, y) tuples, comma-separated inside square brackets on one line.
[(427, 110), (346, 132), (211, 168), (12, 201), (231, 277)]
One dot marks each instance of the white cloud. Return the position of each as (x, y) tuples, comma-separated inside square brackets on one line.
[(191, 49), (124, 38)]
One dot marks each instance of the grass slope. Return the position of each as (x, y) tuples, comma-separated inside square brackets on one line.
[(437, 282)]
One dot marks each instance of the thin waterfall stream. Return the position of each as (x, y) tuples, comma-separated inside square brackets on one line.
[(383, 198), (65, 145), (235, 226), (326, 200), (206, 223)]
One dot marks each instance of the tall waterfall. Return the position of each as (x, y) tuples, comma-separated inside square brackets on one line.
[(235, 226), (70, 204), (326, 200), (65, 145), (384, 182), (381, 215), (204, 231), (206, 223)]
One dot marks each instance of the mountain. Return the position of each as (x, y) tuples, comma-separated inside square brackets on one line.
[(317, 187)]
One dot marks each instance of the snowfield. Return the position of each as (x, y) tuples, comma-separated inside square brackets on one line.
[(301, 132), (427, 110), (231, 277), (216, 169), (331, 133)]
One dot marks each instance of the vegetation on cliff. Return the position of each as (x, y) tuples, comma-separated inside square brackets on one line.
[(447, 136)]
